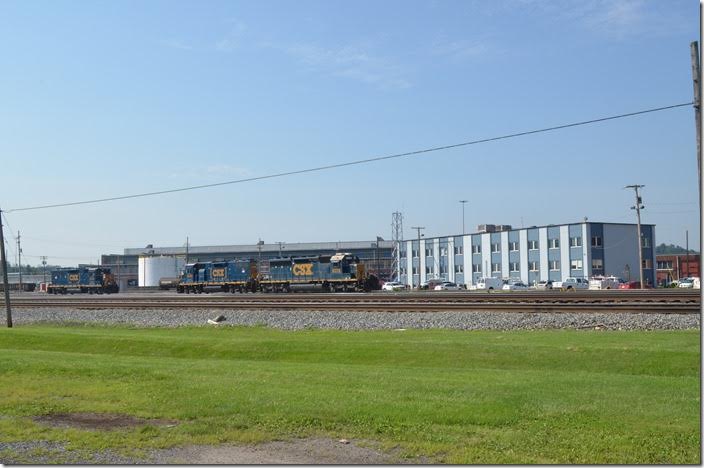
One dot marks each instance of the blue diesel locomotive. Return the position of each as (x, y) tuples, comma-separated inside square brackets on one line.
[(82, 280), (341, 272)]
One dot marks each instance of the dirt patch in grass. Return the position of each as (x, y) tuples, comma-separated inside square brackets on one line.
[(98, 421), (310, 451)]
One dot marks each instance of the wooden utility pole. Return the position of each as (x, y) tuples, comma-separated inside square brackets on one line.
[(4, 275), (697, 82), (696, 79), (638, 206)]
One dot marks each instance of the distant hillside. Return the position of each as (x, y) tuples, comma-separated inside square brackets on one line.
[(672, 249)]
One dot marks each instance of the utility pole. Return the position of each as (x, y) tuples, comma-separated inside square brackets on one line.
[(696, 79), (4, 275), (697, 82), (19, 260), (418, 228), (280, 243), (43, 257), (639, 206), (463, 203)]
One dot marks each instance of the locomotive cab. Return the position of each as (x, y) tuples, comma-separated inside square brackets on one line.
[(346, 264)]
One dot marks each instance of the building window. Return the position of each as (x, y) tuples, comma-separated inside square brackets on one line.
[(415, 270), (665, 265), (403, 254), (443, 269), (554, 265), (647, 264), (554, 243), (476, 248), (513, 246), (415, 253), (514, 266), (596, 241), (645, 242), (459, 250), (459, 268), (429, 270), (532, 245), (443, 251), (496, 268), (495, 248), (576, 265), (533, 266), (575, 241), (476, 268), (428, 252), (597, 264)]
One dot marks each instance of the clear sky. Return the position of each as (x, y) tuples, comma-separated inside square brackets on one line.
[(103, 99)]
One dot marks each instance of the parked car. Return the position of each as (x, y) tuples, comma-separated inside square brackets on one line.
[(571, 284), (691, 283), (514, 286), (447, 286), (605, 282), (629, 285), (393, 286), (544, 285), (431, 283), (490, 283)]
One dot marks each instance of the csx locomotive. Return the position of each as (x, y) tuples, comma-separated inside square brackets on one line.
[(341, 272), (82, 280)]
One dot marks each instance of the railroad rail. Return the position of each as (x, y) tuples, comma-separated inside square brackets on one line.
[(652, 301)]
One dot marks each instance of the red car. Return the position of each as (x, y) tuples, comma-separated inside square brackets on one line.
[(630, 285)]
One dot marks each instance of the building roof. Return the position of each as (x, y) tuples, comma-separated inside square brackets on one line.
[(527, 227), (249, 248)]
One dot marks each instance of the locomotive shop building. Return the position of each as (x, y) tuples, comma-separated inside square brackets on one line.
[(552, 252)]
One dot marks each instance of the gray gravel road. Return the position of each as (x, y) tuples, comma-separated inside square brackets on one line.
[(296, 320)]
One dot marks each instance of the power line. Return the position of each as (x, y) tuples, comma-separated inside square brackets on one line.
[(353, 163)]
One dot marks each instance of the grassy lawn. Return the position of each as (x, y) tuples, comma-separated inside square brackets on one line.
[(454, 396)]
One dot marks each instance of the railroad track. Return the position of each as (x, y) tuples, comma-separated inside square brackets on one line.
[(653, 301)]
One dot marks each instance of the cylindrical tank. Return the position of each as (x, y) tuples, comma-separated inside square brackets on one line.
[(153, 268)]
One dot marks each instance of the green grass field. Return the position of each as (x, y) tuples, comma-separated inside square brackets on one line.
[(452, 396)]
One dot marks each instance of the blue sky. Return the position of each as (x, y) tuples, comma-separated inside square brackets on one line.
[(104, 99)]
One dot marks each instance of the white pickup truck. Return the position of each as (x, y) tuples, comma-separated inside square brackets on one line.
[(571, 284), (604, 282)]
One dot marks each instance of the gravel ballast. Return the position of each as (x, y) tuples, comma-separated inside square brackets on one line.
[(338, 320)]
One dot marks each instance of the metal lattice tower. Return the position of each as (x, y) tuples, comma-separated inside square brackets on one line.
[(396, 237)]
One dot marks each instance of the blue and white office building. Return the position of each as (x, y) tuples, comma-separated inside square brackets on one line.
[(553, 252)]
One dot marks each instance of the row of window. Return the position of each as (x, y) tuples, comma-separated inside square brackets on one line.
[(514, 246), (514, 267)]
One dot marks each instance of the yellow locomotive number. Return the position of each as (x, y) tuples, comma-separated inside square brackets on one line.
[(73, 278), (303, 269), (218, 273)]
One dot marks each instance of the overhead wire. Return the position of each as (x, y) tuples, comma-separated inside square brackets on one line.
[(353, 163)]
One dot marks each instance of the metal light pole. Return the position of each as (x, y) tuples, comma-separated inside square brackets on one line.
[(463, 203), (418, 228), (639, 206)]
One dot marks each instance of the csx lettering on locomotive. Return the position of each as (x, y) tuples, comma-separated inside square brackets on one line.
[(218, 273), (302, 269)]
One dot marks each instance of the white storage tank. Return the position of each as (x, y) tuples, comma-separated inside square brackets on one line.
[(153, 268)]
